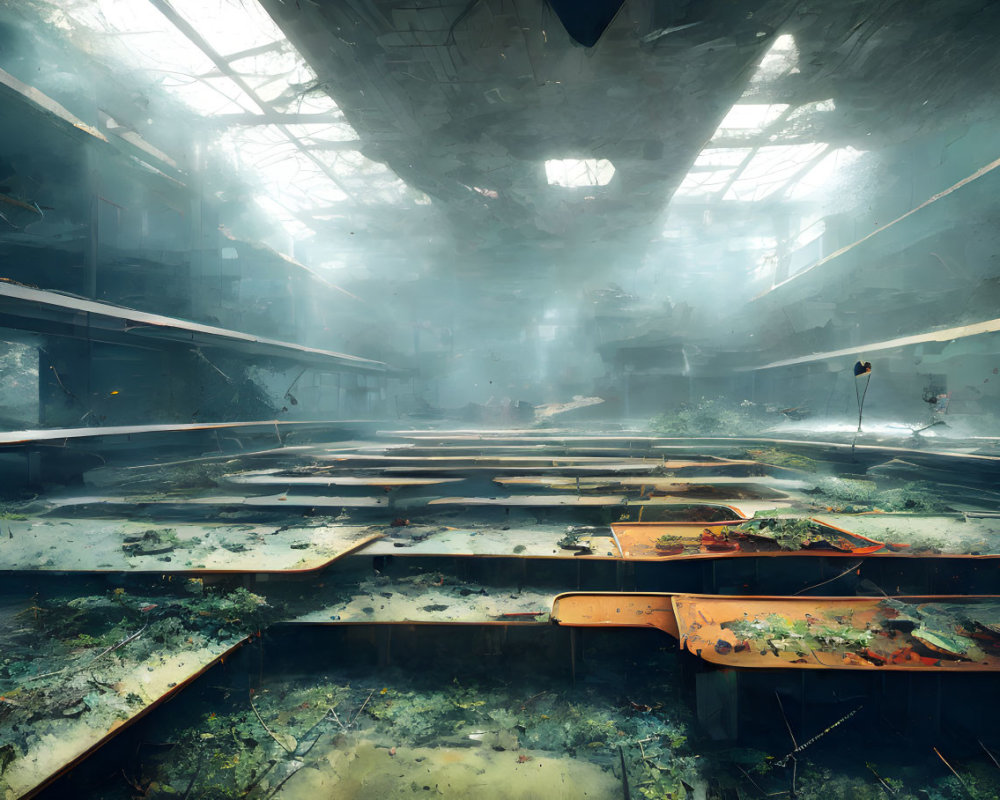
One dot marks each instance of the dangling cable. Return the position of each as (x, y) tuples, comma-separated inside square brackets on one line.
[(861, 368), (861, 398)]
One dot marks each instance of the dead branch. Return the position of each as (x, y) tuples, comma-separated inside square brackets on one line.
[(270, 733)]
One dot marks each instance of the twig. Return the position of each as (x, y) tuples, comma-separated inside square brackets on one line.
[(829, 580), (270, 733), (292, 385), (197, 772), (533, 698), (355, 719), (952, 770), (55, 374), (752, 781), (880, 779), (197, 352), (336, 719), (987, 751), (104, 652), (285, 779), (312, 744), (788, 727), (134, 784), (795, 744), (791, 756), (113, 647), (250, 786)]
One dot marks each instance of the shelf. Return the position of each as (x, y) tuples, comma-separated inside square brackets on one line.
[(58, 435), (856, 352), (74, 544), (52, 313)]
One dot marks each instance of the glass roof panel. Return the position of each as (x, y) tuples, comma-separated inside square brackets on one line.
[(704, 184), (211, 96), (818, 180), (229, 26), (295, 167), (314, 133), (781, 59), (572, 172), (770, 169), (722, 157), (749, 119), (142, 36)]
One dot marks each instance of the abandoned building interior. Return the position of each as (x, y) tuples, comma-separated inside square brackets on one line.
[(499, 398)]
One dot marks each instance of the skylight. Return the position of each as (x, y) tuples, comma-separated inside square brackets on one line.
[(230, 26), (824, 173), (571, 172), (712, 171), (781, 60), (770, 169), (748, 119), (299, 165), (781, 157)]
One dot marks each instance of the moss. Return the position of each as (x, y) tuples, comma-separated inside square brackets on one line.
[(848, 495), (708, 416), (777, 632), (788, 534), (668, 541), (783, 458)]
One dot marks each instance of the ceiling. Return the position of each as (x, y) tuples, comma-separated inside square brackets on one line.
[(466, 101), (418, 150)]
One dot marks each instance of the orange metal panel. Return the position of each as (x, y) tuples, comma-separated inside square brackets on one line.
[(942, 633), (658, 541), (603, 609)]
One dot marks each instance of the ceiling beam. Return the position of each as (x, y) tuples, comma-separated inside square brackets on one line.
[(185, 27)]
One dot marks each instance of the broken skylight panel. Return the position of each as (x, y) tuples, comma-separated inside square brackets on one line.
[(810, 229), (716, 157), (573, 172), (273, 74), (703, 185), (288, 219), (290, 177), (368, 181), (316, 134), (312, 102), (213, 96), (781, 60), (771, 169), (749, 119), (285, 172), (712, 171), (352, 164), (834, 168), (135, 33), (229, 26), (804, 121)]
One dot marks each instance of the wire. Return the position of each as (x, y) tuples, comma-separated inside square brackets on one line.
[(861, 398)]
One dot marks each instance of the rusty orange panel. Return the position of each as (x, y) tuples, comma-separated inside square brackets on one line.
[(942, 633), (618, 610), (710, 513), (656, 541)]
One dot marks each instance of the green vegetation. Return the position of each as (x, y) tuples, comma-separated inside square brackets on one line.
[(230, 752), (851, 496), (709, 417), (788, 534), (778, 633), (783, 458)]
